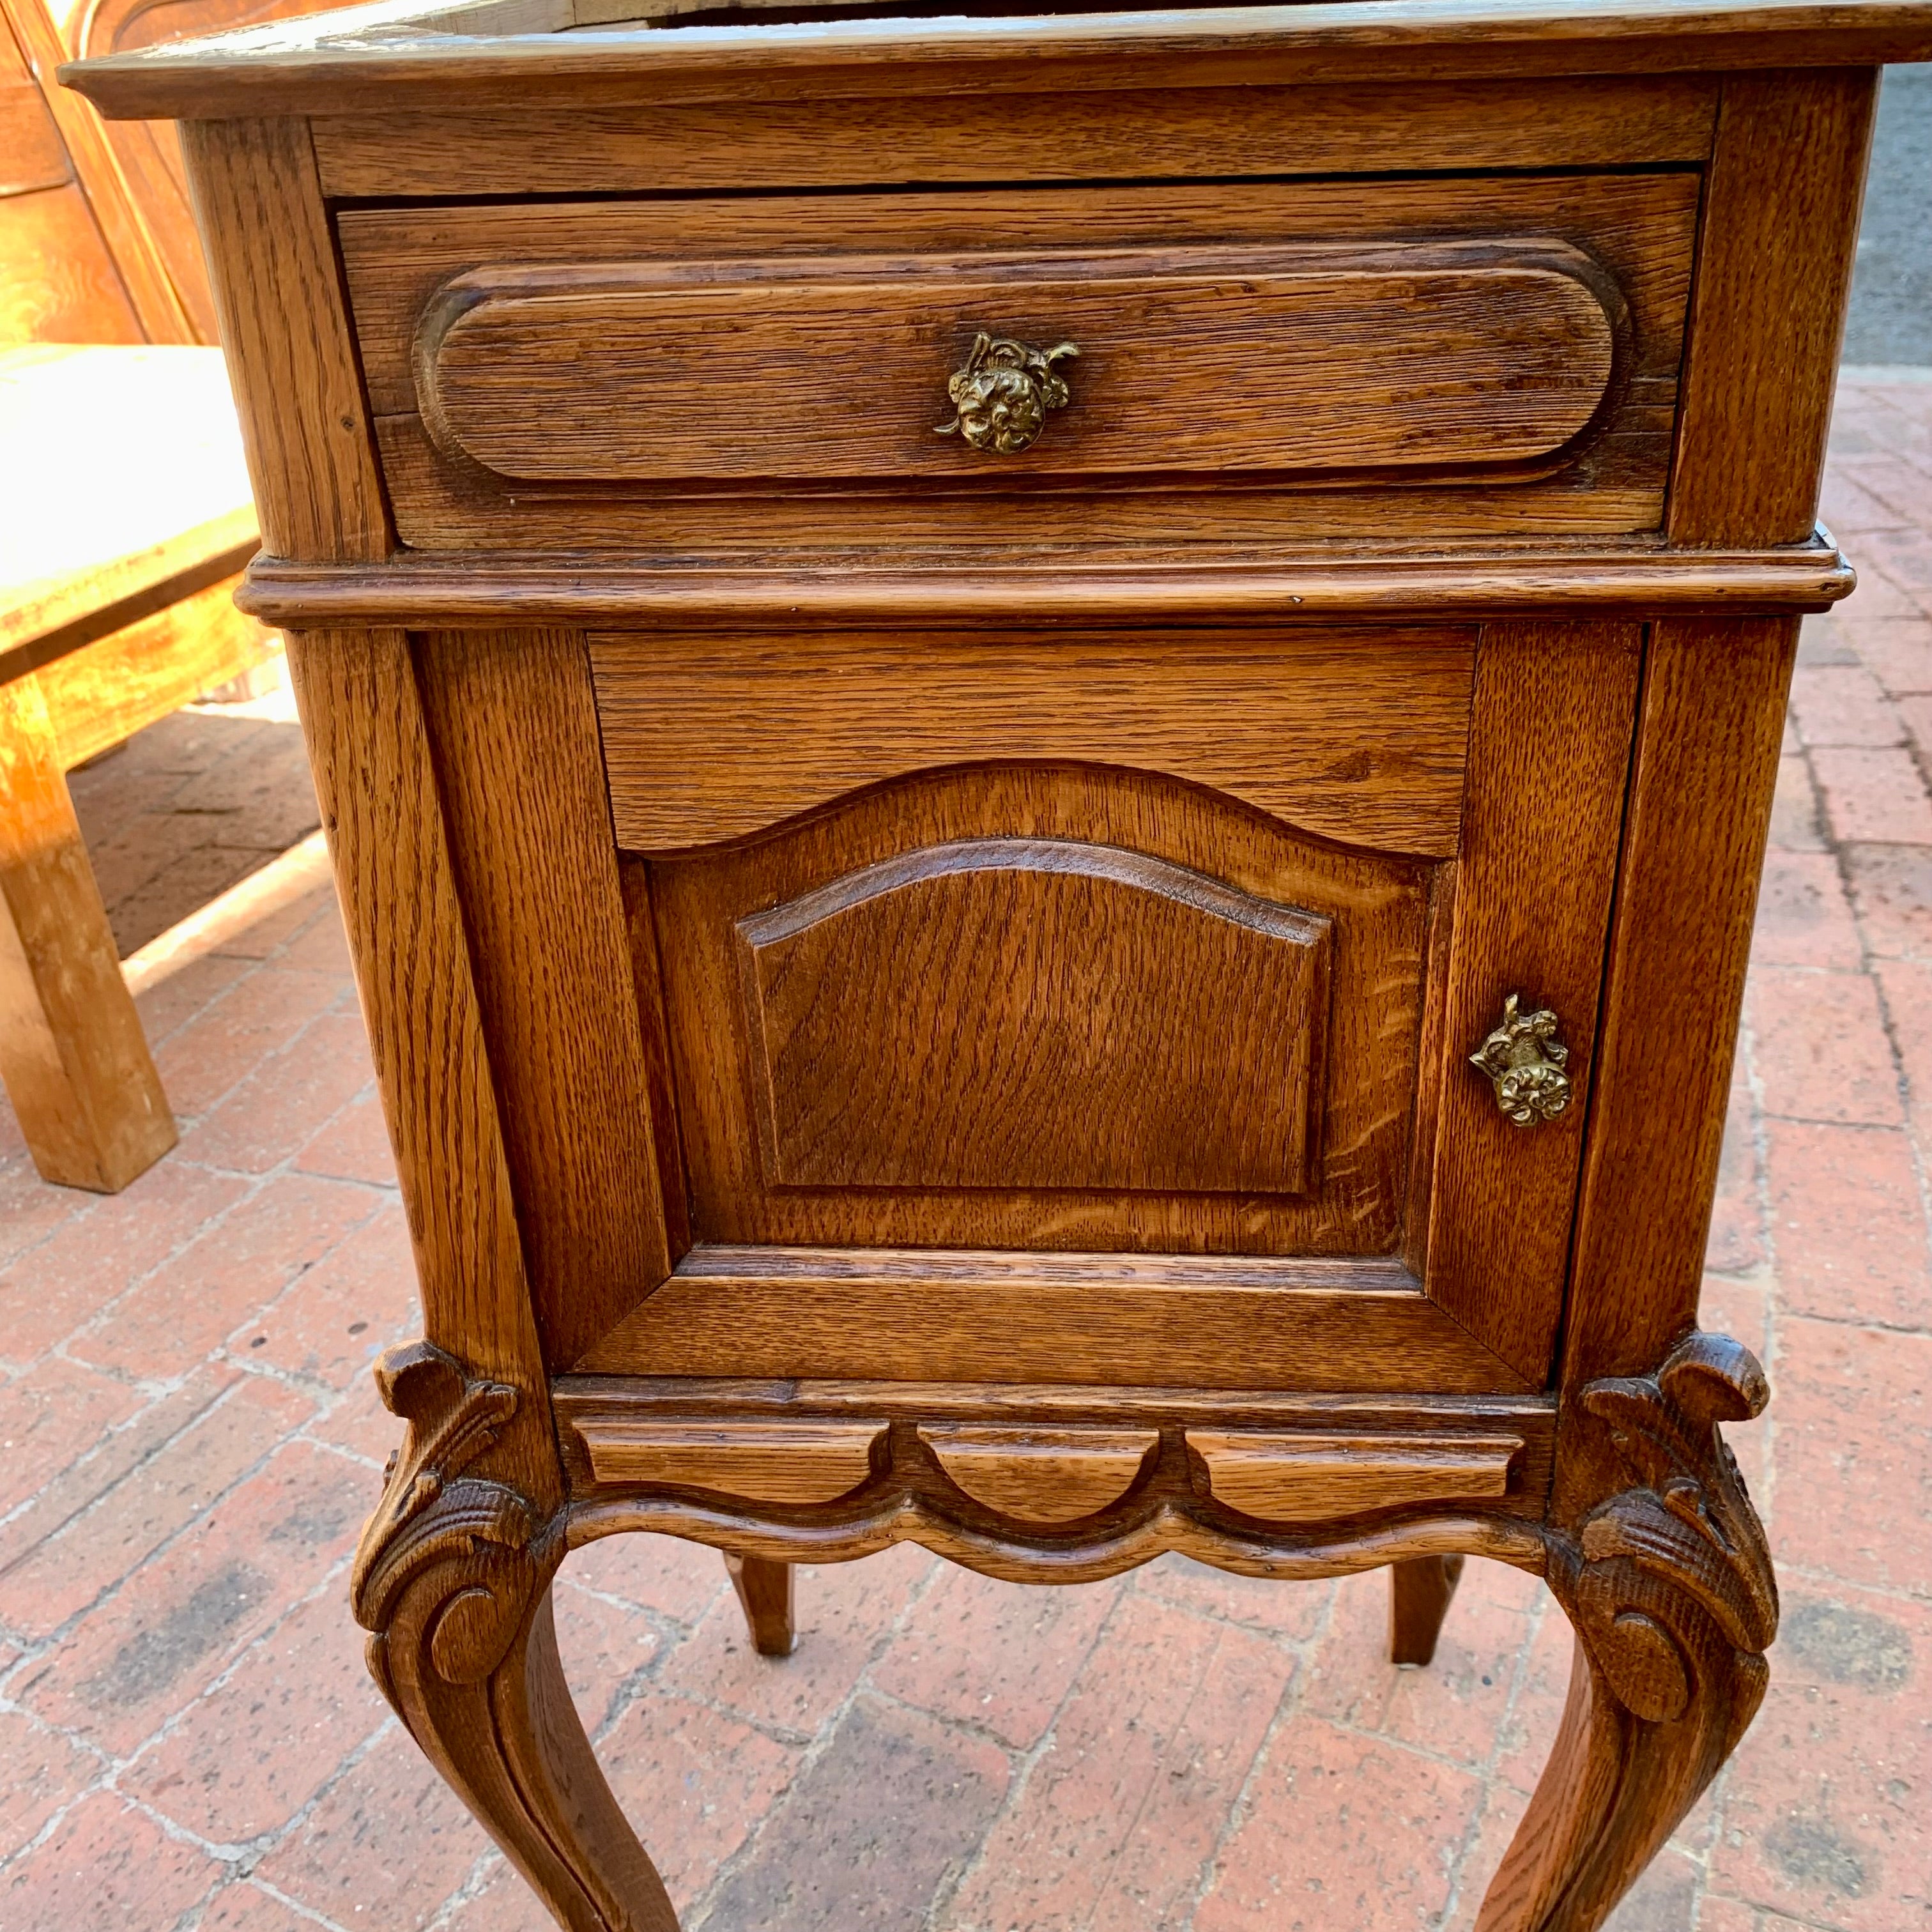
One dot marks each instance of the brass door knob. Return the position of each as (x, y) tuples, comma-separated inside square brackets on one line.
[(1001, 397), (1524, 1058)]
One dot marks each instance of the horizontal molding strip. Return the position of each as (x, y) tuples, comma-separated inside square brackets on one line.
[(449, 594)]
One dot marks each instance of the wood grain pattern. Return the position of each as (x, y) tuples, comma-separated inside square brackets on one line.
[(529, 837), (107, 236), (1040, 1476), (1309, 1478), (1357, 736), (1333, 43), (1779, 228), (1637, 231), (1079, 1017), (76, 1067), (995, 136), (147, 157), (61, 284), (929, 1316), (773, 1462), (32, 157), (375, 780), (272, 261), (1377, 907), (1711, 726), (1420, 1593), (1325, 357), (102, 692), (1220, 582), (1549, 758), (764, 1593)]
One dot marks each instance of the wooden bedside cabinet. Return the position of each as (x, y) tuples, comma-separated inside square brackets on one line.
[(1048, 741)]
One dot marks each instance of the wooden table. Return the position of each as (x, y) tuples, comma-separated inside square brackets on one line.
[(1156, 970), (124, 523)]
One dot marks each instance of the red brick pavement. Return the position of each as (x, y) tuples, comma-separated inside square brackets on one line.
[(190, 1435)]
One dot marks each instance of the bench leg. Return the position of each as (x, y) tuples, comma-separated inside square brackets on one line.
[(74, 1057)]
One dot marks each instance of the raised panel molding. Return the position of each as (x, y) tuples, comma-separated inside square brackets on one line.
[(1018, 1013)]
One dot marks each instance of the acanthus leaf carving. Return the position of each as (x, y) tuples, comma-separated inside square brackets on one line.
[(1678, 1557), (446, 1559)]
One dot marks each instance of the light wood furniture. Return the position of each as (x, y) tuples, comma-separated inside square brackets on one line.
[(926, 985), (125, 519), (125, 523)]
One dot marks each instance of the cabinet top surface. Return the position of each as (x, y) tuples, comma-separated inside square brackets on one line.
[(494, 52)]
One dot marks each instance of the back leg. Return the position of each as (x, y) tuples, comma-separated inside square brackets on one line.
[(1419, 1594), (764, 1592)]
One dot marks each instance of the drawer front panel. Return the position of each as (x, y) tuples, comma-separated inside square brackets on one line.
[(1433, 356), (1323, 358)]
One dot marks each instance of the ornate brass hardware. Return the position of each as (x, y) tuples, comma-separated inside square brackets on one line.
[(1002, 395), (1525, 1059)]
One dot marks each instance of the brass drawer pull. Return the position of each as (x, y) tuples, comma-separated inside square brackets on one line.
[(1002, 395), (1525, 1059)]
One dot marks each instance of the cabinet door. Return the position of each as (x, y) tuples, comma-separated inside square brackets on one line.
[(1063, 1008)]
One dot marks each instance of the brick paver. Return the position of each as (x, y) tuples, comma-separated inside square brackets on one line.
[(189, 1433)]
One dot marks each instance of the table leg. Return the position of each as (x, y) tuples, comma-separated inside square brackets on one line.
[(1420, 1591), (75, 1062), (764, 1592)]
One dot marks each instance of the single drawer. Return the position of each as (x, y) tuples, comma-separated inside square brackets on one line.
[(1322, 357), (1330, 357)]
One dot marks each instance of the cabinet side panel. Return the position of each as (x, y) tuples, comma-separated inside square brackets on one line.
[(376, 786), (1775, 263), (514, 733), (1712, 722)]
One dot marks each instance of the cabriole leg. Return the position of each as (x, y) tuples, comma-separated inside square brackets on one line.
[(764, 1594), (1668, 1585), (452, 1582), (1420, 1593)]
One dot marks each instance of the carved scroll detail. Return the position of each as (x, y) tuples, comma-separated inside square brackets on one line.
[(1684, 1534), (1668, 1582), (468, 1537)]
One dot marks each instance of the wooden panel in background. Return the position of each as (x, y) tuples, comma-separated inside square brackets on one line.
[(1377, 907), (1358, 736), (985, 136), (32, 155), (1037, 1013), (57, 283), (1166, 1322)]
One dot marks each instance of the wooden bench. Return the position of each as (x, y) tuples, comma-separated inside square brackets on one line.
[(121, 540), (124, 518)]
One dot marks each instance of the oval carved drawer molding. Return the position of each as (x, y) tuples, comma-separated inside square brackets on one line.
[(763, 1462), (1309, 1478), (1316, 356), (1043, 1476)]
